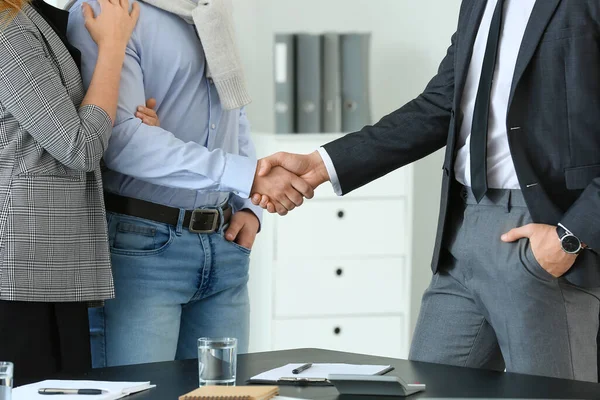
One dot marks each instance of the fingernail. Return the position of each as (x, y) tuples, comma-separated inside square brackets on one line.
[(229, 237), (504, 237)]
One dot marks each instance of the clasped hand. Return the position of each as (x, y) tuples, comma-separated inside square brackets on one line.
[(284, 180)]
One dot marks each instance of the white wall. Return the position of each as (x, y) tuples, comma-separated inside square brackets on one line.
[(409, 40)]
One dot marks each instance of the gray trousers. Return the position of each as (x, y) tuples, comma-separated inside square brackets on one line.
[(492, 306)]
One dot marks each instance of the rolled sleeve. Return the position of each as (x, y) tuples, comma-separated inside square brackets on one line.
[(95, 119), (34, 93)]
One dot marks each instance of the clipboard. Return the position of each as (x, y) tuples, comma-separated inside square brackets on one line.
[(327, 369)]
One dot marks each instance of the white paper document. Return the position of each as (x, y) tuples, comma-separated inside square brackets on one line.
[(113, 390), (320, 371)]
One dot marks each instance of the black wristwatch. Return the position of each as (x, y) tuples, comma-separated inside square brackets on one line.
[(569, 242)]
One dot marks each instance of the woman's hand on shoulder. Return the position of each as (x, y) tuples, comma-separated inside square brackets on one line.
[(113, 26)]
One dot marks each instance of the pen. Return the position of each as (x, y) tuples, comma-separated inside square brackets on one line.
[(70, 391), (301, 368)]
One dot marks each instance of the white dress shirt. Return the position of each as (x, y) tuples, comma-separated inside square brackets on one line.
[(501, 170)]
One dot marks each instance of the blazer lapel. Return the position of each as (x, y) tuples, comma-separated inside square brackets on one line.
[(540, 17), (465, 47), (66, 65)]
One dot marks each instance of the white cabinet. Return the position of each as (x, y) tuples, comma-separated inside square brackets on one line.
[(345, 228), (381, 336), (334, 273), (307, 287)]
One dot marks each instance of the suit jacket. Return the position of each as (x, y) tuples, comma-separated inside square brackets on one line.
[(553, 124), (53, 236)]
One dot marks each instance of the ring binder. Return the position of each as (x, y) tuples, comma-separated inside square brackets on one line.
[(308, 83)]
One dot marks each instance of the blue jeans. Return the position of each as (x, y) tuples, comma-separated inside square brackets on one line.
[(172, 287)]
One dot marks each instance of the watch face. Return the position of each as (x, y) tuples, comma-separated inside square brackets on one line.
[(571, 244)]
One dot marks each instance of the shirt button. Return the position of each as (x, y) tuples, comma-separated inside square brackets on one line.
[(213, 126), (210, 81)]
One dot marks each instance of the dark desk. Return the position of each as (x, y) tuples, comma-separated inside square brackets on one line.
[(179, 377)]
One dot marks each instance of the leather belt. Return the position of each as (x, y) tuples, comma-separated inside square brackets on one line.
[(200, 220)]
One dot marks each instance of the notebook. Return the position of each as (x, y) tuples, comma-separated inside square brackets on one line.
[(232, 393), (317, 374), (113, 390)]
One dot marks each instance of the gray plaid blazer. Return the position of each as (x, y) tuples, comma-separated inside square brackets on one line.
[(53, 236)]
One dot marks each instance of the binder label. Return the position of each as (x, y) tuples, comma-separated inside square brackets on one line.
[(281, 63)]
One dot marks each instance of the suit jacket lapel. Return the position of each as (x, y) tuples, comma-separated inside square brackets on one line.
[(540, 17), (465, 47)]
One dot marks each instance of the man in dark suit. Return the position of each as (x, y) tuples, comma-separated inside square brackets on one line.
[(516, 103)]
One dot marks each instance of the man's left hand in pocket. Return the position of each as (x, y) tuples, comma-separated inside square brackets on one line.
[(545, 246)]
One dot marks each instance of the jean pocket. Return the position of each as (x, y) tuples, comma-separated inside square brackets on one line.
[(531, 264), (243, 249), (136, 237)]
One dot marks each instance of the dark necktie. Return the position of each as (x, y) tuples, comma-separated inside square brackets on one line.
[(481, 112)]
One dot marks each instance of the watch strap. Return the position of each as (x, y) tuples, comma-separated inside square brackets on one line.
[(562, 231)]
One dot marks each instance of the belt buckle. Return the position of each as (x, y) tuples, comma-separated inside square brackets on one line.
[(196, 215)]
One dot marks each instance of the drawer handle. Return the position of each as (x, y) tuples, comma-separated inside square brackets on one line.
[(340, 214), (339, 272), (337, 330)]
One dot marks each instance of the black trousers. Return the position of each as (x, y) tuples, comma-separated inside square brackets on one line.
[(43, 339)]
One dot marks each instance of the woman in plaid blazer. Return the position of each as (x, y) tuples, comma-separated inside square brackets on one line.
[(54, 255)]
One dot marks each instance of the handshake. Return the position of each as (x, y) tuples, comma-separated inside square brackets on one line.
[(283, 180)]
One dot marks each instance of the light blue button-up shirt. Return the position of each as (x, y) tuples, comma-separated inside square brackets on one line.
[(201, 155)]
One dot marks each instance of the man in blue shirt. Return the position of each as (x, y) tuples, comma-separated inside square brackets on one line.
[(179, 274)]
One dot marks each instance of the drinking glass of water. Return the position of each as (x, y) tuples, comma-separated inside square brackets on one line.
[(6, 380), (217, 361)]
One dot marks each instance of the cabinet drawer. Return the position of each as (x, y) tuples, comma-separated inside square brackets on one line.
[(318, 288), (346, 229), (391, 185), (381, 336)]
